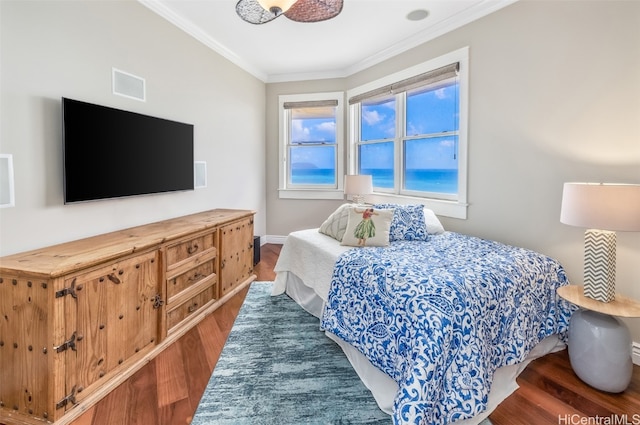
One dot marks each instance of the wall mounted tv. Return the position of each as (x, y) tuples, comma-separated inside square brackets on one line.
[(111, 153)]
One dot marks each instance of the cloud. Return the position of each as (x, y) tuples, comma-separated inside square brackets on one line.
[(329, 126), (413, 129), (372, 117), (440, 93), (298, 131), (448, 143)]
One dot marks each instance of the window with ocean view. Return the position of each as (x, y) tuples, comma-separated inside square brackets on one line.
[(422, 159), (311, 134), (407, 132), (312, 148)]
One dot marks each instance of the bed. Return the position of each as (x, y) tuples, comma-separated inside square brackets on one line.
[(437, 324)]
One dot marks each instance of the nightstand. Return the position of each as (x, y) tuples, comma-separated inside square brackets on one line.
[(599, 343)]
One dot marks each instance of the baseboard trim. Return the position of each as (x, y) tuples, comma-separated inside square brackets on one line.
[(275, 239)]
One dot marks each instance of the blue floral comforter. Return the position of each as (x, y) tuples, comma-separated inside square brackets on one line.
[(440, 316)]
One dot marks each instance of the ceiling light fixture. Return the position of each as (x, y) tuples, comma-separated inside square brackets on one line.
[(276, 6), (263, 11)]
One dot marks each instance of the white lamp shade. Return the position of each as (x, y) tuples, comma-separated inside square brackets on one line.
[(283, 5), (358, 184), (605, 206)]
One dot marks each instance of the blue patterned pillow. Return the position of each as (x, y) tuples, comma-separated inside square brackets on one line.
[(408, 222)]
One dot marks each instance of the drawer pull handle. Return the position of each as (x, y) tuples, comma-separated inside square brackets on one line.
[(193, 248), (157, 301), (196, 277)]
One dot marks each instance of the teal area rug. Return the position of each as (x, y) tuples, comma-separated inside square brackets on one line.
[(277, 367)]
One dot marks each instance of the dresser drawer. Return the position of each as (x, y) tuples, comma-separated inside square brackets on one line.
[(189, 308), (191, 277), (190, 248)]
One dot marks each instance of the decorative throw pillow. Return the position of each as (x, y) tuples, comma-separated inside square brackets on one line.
[(434, 227), (368, 227), (408, 222), (336, 223)]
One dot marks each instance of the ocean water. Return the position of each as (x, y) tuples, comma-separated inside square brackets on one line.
[(313, 176), (438, 181)]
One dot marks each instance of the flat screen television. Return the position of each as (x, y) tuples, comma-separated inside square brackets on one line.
[(111, 153)]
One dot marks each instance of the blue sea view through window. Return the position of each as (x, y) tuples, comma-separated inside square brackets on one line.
[(436, 181), (313, 176), (408, 130), (428, 143), (407, 141), (312, 148)]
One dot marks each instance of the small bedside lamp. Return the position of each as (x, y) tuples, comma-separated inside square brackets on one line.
[(602, 208), (357, 186)]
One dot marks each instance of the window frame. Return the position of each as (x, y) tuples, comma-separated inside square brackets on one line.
[(456, 208), (287, 191)]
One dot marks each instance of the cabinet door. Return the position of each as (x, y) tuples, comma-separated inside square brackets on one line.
[(113, 317), (24, 338), (236, 254)]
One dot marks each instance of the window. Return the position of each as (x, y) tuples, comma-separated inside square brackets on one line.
[(311, 147), (409, 132)]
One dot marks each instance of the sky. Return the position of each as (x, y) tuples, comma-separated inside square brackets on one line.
[(378, 123), (314, 132)]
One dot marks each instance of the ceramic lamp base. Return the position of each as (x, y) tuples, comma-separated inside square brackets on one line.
[(358, 199), (600, 350)]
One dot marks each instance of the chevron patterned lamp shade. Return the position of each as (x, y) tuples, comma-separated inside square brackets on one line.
[(603, 208)]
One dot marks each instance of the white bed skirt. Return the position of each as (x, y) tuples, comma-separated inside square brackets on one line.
[(384, 388)]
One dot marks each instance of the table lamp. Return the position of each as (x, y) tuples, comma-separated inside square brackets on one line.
[(357, 186), (602, 208)]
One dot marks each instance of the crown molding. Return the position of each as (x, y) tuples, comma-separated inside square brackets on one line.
[(469, 15), (305, 76), (465, 17), (197, 33)]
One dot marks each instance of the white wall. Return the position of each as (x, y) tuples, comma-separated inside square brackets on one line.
[(54, 49), (554, 97)]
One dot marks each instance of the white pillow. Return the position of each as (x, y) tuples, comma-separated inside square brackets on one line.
[(336, 223), (434, 227)]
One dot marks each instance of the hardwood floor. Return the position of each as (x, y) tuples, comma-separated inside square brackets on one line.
[(168, 389)]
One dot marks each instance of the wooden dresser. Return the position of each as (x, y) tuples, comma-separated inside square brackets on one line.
[(79, 318)]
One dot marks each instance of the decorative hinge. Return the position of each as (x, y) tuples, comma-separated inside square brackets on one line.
[(157, 301), (71, 398), (71, 343), (68, 291)]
